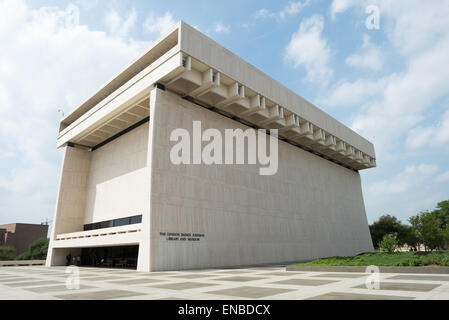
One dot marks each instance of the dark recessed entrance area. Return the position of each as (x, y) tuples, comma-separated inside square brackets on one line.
[(110, 257)]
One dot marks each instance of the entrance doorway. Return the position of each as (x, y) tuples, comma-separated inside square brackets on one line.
[(110, 257)]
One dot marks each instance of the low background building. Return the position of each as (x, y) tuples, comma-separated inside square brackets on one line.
[(21, 235)]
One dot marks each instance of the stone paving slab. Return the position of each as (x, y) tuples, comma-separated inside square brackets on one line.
[(267, 269), (157, 274), (58, 288), (235, 271), (103, 278), (382, 269), (200, 270), (245, 283), (183, 285), (120, 272), (82, 275), (356, 296), (135, 281), (194, 276), (249, 292), (305, 282), (99, 295), (15, 279), (281, 274), (238, 279), (30, 283), (340, 275), (49, 273), (404, 286), (420, 277)]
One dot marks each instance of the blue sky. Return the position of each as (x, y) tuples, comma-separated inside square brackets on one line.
[(390, 84)]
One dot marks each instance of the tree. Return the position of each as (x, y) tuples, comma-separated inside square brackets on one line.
[(427, 226), (409, 237), (7, 253), (388, 224), (446, 237), (442, 212), (388, 243), (36, 251)]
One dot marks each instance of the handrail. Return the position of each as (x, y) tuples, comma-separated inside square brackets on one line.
[(100, 232)]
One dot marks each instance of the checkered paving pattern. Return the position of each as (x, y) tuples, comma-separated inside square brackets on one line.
[(38, 282)]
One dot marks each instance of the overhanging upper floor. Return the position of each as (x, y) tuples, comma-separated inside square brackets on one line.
[(189, 63)]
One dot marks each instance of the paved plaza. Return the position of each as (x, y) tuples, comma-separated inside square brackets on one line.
[(38, 282)]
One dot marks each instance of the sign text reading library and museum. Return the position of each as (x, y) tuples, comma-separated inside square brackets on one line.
[(179, 236)]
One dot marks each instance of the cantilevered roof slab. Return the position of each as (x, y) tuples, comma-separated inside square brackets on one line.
[(202, 48), (189, 63)]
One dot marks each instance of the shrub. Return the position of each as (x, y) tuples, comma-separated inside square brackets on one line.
[(7, 253), (405, 259), (388, 243), (36, 251)]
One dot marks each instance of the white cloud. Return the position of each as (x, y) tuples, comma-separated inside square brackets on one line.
[(159, 25), (442, 177), (340, 6), (293, 8), (52, 62), (349, 94), (405, 193), (118, 26), (221, 28), (397, 116), (87, 4), (406, 98), (416, 26), (411, 177), (264, 13), (432, 136), (370, 58), (307, 48), (290, 10), (407, 95), (411, 26)]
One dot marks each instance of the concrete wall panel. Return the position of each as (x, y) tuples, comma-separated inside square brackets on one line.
[(118, 181), (311, 208)]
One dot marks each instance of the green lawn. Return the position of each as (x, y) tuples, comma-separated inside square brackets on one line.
[(385, 259)]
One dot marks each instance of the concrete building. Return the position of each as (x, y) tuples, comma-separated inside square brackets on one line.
[(122, 202), (21, 235)]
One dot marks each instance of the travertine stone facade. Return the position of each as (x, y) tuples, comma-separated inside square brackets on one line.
[(117, 164), (119, 168), (310, 208)]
